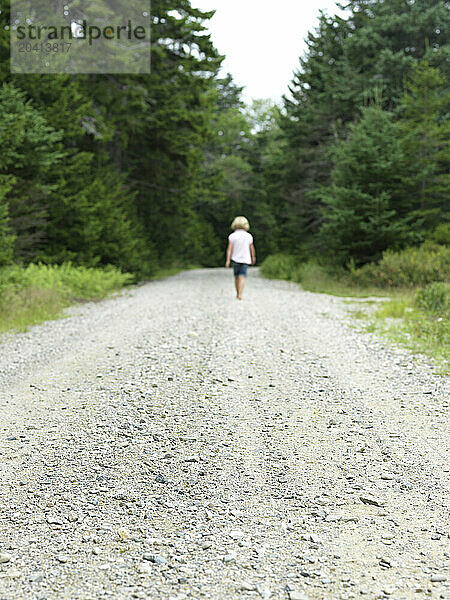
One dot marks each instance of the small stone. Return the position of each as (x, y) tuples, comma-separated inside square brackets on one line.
[(305, 574), (145, 569), (296, 595), (333, 518), (350, 519), (96, 550), (13, 573), (246, 586), (438, 578), (388, 590), (5, 558), (36, 577), (315, 539), (192, 459), (161, 479), (205, 545), (156, 559), (237, 534), (62, 558), (124, 534), (53, 520), (229, 558), (368, 499), (263, 591)]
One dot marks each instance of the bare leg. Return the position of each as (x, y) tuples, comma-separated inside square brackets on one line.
[(240, 282), (236, 283)]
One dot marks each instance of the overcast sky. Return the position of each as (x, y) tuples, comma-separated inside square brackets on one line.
[(262, 39)]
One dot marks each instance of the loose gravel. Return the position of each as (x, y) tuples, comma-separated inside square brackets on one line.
[(172, 443)]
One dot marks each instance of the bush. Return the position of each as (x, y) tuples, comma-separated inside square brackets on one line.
[(441, 235), (280, 266), (434, 299), (36, 293), (411, 268), (71, 282)]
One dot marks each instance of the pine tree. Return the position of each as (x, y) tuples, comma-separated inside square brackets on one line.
[(425, 130), (366, 208), (348, 61), (30, 151)]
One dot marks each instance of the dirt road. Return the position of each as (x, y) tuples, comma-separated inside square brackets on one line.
[(174, 443)]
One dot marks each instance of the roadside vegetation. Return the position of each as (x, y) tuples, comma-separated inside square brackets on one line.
[(33, 294), (417, 281)]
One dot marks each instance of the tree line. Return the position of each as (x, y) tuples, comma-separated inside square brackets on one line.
[(144, 171)]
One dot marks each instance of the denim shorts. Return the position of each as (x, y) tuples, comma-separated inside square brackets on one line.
[(240, 269)]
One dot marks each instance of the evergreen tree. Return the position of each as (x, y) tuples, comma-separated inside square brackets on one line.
[(349, 61), (30, 151), (366, 208), (425, 130)]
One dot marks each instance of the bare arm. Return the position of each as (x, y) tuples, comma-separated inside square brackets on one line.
[(229, 250), (253, 253)]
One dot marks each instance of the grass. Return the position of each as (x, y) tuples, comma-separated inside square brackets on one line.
[(415, 318), (420, 331), (36, 293)]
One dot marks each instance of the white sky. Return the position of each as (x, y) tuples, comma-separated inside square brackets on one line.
[(263, 39)]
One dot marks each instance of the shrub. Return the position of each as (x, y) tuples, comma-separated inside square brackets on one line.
[(280, 266), (36, 293), (69, 281), (435, 299), (411, 267)]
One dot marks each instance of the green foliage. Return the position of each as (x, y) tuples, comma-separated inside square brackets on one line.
[(365, 208), (421, 323), (412, 267), (409, 268), (280, 266), (38, 292), (424, 130), (441, 235), (30, 150), (6, 239), (434, 299), (351, 60), (70, 280)]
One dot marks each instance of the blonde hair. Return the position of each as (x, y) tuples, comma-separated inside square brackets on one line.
[(240, 223)]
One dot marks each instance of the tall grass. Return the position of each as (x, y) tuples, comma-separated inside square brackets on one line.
[(36, 293)]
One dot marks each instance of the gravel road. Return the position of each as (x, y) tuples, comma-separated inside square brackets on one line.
[(173, 443)]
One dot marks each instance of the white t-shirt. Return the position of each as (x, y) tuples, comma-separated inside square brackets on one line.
[(241, 241)]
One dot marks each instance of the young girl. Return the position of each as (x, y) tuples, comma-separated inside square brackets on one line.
[(241, 252)]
